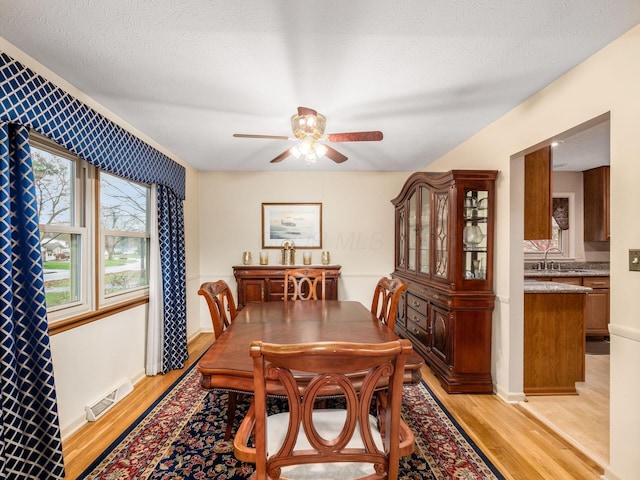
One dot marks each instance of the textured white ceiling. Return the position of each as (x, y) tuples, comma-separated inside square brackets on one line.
[(427, 73)]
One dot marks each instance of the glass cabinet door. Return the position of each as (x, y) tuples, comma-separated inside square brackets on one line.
[(474, 234), (441, 235), (425, 224), (401, 229), (413, 225)]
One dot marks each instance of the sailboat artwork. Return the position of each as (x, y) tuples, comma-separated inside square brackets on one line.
[(298, 222)]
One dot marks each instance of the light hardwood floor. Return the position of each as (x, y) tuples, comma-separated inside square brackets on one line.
[(582, 419), (519, 445)]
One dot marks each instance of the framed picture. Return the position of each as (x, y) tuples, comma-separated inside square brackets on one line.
[(297, 222)]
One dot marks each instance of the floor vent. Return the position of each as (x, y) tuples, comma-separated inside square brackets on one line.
[(100, 407)]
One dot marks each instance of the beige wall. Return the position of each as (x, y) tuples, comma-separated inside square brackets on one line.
[(608, 81), (357, 221)]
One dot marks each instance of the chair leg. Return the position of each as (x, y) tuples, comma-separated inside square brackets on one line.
[(231, 413)]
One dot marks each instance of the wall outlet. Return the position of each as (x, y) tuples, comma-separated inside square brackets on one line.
[(634, 260)]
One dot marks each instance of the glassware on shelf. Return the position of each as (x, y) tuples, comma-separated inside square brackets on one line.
[(473, 235), (470, 207)]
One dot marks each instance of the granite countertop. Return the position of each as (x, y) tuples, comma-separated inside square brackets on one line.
[(567, 269), (534, 286), (583, 272)]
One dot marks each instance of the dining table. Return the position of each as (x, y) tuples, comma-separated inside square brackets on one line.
[(227, 364)]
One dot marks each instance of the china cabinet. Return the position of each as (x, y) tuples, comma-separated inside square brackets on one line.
[(444, 253)]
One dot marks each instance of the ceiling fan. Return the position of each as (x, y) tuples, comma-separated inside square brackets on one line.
[(308, 126)]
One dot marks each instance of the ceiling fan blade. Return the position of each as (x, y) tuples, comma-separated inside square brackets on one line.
[(307, 111), (374, 136), (282, 156), (270, 137), (335, 155)]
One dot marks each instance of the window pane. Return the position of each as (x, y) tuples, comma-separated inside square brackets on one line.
[(54, 187), (539, 246), (123, 204), (61, 260), (126, 263)]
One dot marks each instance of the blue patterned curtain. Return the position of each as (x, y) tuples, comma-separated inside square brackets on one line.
[(30, 445), (29, 99), (172, 260)]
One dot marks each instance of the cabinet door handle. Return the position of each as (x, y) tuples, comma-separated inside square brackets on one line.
[(416, 304), (415, 319), (436, 296), (598, 284), (416, 331)]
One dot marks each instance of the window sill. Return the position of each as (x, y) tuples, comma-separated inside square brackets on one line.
[(73, 322)]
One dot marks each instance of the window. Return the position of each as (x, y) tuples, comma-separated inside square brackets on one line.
[(60, 190), (76, 243), (124, 235)]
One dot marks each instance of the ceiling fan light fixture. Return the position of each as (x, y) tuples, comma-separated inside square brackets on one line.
[(308, 149), (295, 151), (308, 127), (304, 126), (311, 157), (305, 147), (320, 149)]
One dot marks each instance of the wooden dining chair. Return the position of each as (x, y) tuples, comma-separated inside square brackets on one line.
[(222, 308), (342, 441), (305, 283), (385, 300)]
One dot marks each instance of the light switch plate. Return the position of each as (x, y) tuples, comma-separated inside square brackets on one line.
[(634, 260)]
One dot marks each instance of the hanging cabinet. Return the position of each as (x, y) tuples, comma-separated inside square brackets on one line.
[(444, 253), (596, 204)]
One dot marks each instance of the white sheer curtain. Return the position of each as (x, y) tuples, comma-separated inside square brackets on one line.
[(155, 322)]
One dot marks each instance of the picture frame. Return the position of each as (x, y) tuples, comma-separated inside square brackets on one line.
[(297, 222)]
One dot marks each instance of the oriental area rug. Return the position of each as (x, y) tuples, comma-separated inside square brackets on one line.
[(181, 436)]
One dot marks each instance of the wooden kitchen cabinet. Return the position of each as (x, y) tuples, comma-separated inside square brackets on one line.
[(265, 283), (444, 227), (596, 204), (538, 195), (597, 302), (554, 345), (597, 308)]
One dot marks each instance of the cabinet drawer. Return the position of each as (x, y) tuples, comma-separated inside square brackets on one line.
[(416, 303), (276, 286), (416, 318), (596, 282), (418, 333)]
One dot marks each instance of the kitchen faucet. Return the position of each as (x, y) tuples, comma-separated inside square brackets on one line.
[(544, 263)]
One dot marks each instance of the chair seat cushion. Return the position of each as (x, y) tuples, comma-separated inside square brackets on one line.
[(328, 423)]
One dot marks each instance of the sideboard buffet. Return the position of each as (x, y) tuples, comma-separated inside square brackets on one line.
[(444, 236), (265, 283)]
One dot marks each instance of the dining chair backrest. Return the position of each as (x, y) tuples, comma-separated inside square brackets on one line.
[(221, 304), (386, 298), (340, 441), (304, 282)]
